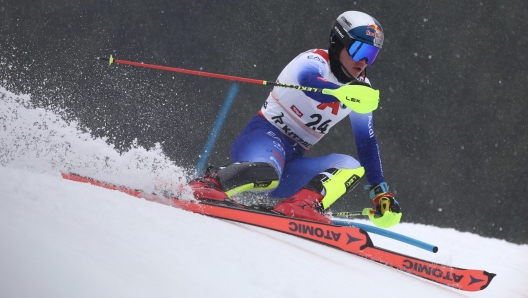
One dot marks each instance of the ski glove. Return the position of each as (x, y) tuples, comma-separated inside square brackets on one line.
[(387, 212)]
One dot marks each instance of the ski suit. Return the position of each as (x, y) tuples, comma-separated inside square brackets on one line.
[(291, 121)]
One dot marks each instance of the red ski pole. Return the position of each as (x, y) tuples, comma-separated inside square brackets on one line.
[(111, 60), (359, 98)]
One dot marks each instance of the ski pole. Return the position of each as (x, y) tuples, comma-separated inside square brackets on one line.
[(348, 214), (388, 234), (359, 98)]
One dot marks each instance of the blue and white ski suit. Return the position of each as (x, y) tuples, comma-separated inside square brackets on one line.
[(291, 121)]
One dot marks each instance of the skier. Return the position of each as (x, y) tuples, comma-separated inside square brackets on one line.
[(268, 155)]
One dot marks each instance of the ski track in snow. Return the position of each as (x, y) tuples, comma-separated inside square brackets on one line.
[(66, 239)]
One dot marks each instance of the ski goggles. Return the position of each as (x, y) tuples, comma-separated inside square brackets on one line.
[(359, 50)]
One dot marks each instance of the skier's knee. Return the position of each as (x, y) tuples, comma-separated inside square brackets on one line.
[(248, 176), (343, 161)]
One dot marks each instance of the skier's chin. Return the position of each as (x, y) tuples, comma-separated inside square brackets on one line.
[(355, 72)]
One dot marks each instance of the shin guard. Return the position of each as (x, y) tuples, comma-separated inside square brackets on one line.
[(334, 183), (247, 176)]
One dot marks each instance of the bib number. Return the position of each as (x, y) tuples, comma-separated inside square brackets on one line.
[(323, 127)]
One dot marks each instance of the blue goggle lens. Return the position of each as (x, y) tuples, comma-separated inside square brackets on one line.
[(359, 51)]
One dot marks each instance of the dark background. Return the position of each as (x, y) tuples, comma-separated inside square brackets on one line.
[(452, 122)]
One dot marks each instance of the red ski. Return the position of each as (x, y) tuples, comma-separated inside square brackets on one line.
[(350, 239)]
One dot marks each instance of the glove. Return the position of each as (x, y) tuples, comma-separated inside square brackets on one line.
[(387, 212)]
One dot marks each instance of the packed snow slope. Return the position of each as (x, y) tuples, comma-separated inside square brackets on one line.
[(61, 238)]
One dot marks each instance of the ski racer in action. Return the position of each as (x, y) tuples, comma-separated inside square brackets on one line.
[(268, 155)]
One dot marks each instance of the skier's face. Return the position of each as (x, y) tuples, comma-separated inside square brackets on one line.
[(353, 67)]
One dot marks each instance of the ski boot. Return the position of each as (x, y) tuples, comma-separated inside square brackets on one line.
[(305, 204), (208, 187)]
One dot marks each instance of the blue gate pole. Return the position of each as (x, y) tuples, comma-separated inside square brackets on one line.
[(389, 234), (204, 157)]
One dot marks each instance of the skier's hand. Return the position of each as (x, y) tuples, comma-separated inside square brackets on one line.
[(387, 211)]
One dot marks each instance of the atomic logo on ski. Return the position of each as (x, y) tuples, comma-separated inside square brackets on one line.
[(352, 239), (313, 231), (474, 280), (431, 270)]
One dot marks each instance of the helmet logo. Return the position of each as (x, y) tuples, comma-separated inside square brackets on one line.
[(339, 32), (346, 21), (374, 31)]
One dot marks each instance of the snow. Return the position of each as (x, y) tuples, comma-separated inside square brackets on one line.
[(61, 238)]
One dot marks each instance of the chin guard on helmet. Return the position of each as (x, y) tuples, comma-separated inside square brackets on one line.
[(335, 63)]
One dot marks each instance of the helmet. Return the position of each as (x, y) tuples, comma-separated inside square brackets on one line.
[(359, 33)]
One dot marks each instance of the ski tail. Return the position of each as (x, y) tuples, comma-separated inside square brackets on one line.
[(174, 202), (129, 191)]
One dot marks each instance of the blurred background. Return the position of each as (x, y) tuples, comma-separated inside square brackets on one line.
[(452, 124)]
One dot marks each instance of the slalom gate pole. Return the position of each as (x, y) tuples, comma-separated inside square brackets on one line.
[(216, 129)]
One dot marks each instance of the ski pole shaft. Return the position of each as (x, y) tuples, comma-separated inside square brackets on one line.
[(111, 61), (349, 214), (359, 98)]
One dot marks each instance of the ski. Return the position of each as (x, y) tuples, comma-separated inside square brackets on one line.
[(347, 238)]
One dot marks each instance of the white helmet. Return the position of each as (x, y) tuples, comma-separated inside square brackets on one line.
[(361, 34)]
